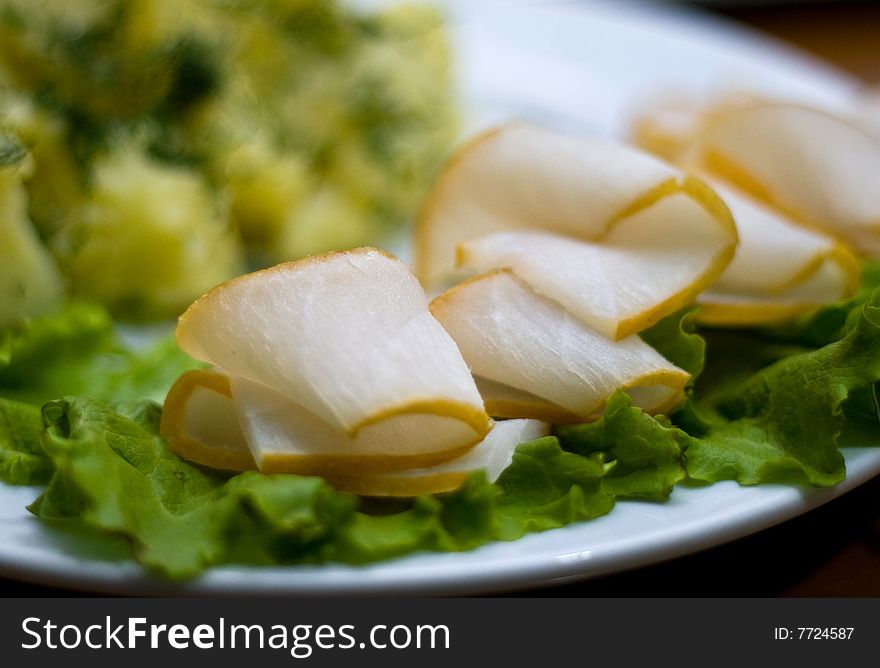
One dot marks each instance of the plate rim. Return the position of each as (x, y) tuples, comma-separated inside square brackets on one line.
[(491, 576)]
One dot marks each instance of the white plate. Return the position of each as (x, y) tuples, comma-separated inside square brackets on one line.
[(580, 66)]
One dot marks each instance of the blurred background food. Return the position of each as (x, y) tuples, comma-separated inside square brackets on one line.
[(153, 148)]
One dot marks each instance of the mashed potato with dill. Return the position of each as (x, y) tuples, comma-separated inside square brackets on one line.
[(276, 128)]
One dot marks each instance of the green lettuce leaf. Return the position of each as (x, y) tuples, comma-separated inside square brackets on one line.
[(676, 338), (32, 344), (114, 474), (22, 461), (645, 451), (72, 351), (546, 487), (783, 422), (76, 351)]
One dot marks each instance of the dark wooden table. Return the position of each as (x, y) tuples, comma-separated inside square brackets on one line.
[(846, 34), (831, 551)]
